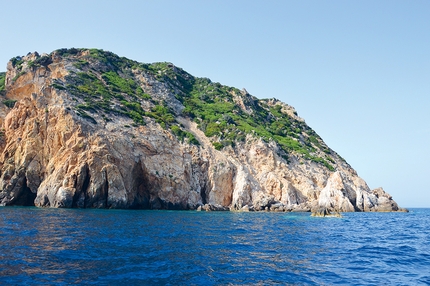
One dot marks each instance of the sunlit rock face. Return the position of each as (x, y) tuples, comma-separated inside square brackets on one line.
[(88, 129)]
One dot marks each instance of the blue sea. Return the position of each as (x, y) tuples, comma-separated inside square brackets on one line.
[(131, 247)]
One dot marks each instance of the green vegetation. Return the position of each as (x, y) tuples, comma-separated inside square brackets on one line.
[(98, 93), (212, 106), (181, 134), (162, 114), (17, 63), (85, 115), (113, 61), (122, 85), (68, 52), (106, 84), (111, 92), (2, 82), (80, 64), (18, 75), (9, 103), (43, 61), (58, 86), (218, 146)]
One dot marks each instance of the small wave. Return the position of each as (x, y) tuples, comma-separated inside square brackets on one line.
[(171, 248)]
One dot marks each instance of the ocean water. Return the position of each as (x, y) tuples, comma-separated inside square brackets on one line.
[(111, 247)]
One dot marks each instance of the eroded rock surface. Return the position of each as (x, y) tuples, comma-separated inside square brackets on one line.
[(70, 143)]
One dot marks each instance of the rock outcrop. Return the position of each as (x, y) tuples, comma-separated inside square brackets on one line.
[(324, 212), (87, 129)]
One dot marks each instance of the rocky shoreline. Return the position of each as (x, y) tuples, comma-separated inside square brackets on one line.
[(84, 128)]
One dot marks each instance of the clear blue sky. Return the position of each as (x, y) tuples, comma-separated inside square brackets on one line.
[(358, 72)]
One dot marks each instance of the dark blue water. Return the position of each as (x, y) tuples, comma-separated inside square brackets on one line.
[(109, 247)]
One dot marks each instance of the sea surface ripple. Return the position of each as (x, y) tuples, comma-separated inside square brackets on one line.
[(109, 247)]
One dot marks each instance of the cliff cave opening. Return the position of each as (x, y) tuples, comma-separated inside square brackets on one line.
[(80, 197), (140, 186), (26, 197), (203, 195)]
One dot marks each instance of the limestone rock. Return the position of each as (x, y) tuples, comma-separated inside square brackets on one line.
[(91, 133), (335, 194)]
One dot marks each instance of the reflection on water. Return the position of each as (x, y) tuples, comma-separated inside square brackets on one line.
[(53, 246), (34, 241)]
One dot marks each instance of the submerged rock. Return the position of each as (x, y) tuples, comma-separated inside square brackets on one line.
[(324, 212)]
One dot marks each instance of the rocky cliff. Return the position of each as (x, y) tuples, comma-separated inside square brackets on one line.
[(88, 129)]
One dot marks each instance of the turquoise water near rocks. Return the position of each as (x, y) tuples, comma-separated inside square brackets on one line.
[(109, 247)]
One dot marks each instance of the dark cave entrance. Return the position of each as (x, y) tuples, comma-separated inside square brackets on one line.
[(26, 197)]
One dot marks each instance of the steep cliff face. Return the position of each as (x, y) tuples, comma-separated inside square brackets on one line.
[(88, 129)]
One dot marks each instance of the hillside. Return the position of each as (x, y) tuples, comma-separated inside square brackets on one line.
[(86, 128)]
